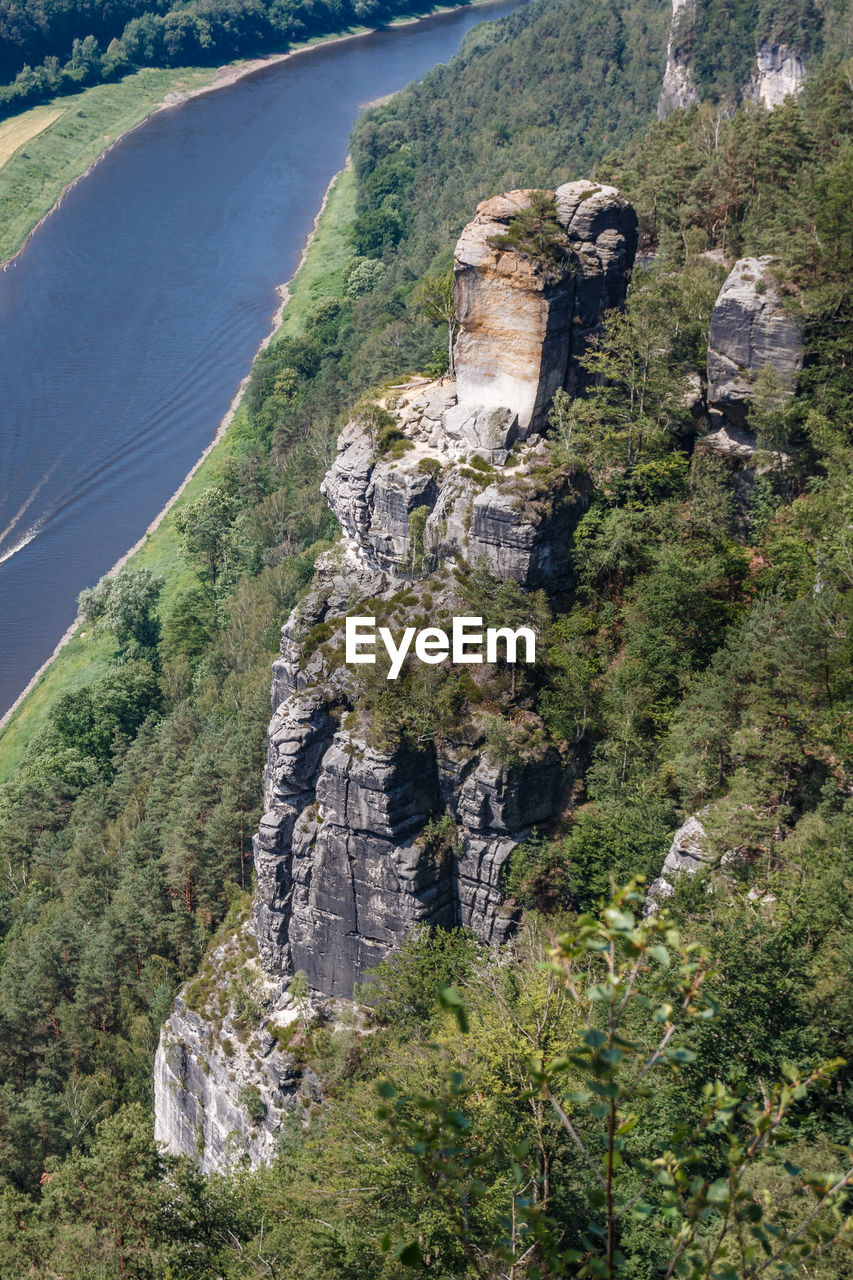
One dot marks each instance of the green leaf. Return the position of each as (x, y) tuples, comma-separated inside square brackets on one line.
[(718, 1192), (680, 1055)]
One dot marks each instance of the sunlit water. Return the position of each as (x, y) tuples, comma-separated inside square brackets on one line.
[(134, 312)]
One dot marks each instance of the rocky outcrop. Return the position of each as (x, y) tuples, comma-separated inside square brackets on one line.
[(368, 834), (750, 328), (223, 1085), (391, 839), (780, 73), (685, 857), (779, 70), (677, 88), (523, 326), (380, 815), (450, 454)]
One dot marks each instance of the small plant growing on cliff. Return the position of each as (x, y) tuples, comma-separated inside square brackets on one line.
[(434, 296), (440, 838), (536, 234), (252, 1103), (417, 529)]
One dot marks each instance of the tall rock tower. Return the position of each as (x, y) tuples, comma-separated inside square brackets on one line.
[(523, 331)]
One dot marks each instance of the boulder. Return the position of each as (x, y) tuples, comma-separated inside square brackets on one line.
[(686, 855)]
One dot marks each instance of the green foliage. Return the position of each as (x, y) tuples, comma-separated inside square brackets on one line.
[(403, 990), (252, 1103), (637, 991), (687, 669), (60, 49), (123, 604), (536, 234), (416, 547)]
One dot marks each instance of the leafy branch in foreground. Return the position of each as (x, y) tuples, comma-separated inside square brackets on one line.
[(719, 1196)]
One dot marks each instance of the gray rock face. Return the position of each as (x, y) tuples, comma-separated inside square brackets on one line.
[(222, 1092), (677, 89), (364, 867), (374, 500), (686, 855), (527, 543), (522, 332), (780, 73), (750, 329)]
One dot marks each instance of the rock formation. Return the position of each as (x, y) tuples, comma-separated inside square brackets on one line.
[(780, 73), (677, 87), (362, 838), (223, 1086), (779, 70), (522, 331), (369, 831), (686, 855), (750, 328)]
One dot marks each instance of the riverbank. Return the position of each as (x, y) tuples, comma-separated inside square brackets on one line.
[(35, 179), (81, 657)]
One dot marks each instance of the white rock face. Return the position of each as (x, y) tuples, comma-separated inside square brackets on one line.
[(686, 855), (221, 1091), (677, 88), (780, 74)]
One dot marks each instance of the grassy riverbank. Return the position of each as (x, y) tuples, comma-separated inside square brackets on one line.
[(46, 148), (34, 177), (85, 657)]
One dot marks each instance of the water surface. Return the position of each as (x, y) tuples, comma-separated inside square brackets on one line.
[(134, 312)]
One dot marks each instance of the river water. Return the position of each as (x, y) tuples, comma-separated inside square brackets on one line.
[(134, 312)]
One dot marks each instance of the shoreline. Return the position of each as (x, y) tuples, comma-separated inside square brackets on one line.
[(276, 321), (226, 76)]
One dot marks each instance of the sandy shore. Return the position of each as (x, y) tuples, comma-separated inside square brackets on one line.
[(283, 290)]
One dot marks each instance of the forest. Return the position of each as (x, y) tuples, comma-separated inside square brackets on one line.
[(703, 663), (48, 49)]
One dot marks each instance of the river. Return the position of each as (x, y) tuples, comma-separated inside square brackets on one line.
[(135, 310)]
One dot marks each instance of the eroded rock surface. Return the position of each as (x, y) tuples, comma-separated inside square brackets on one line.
[(224, 1089), (451, 456), (362, 842), (522, 331), (750, 328), (685, 857), (780, 73)]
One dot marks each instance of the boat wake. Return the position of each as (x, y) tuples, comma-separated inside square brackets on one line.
[(22, 542)]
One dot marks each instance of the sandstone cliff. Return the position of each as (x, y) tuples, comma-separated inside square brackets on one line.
[(521, 332), (779, 71), (380, 816), (750, 329)]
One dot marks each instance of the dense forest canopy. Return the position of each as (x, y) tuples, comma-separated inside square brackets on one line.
[(48, 49), (703, 662), (719, 38)]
